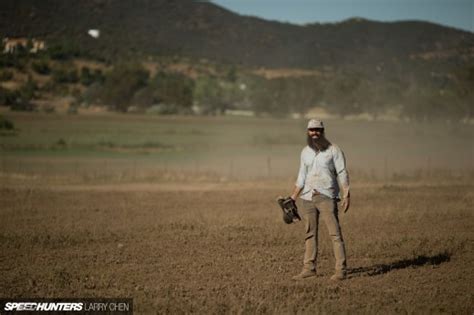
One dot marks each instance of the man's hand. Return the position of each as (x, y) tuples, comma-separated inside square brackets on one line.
[(296, 192), (346, 202)]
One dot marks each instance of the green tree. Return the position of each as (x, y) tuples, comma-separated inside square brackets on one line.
[(13, 61), (98, 76), (121, 83), (6, 75), (86, 77), (65, 75), (145, 98), (64, 50), (22, 97), (6, 124), (173, 89), (208, 96), (231, 75), (41, 67), (8, 97)]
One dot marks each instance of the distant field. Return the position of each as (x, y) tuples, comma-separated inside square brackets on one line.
[(116, 147)]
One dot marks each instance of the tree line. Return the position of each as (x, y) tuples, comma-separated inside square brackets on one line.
[(128, 86)]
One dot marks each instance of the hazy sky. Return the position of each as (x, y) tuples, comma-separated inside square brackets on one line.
[(454, 13)]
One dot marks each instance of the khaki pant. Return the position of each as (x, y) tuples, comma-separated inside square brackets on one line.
[(326, 208)]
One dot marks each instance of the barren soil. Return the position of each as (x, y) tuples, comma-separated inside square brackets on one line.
[(212, 250)]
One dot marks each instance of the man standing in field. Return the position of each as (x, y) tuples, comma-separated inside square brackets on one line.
[(322, 176)]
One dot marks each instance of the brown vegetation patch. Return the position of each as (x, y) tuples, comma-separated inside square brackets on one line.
[(218, 250), (286, 73)]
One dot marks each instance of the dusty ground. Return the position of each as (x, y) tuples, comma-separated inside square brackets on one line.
[(213, 250)]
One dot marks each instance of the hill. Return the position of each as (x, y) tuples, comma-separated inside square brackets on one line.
[(205, 30), (411, 69)]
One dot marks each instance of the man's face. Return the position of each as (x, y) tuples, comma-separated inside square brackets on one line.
[(315, 133)]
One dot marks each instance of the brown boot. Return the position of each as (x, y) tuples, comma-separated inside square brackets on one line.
[(305, 274), (338, 276)]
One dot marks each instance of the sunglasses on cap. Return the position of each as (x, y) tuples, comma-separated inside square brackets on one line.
[(316, 129)]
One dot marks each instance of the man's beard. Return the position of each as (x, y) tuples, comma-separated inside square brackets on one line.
[(320, 144)]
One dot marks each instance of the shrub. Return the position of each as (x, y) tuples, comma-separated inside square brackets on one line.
[(6, 75), (23, 96), (41, 67), (61, 143), (208, 95), (121, 83), (55, 88), (144, 98), (6, 124), (22, 105), (62, 75), (173, 88), (92, 93), (7, 97), (72, 109), (64, 50), (86, 77), (99, 76), (28, 89), (163, 109), (12, 61), (49, 109)]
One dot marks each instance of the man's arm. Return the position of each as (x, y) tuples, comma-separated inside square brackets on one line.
[(296, 192), (300, 180), (342, 178), (346, 202)]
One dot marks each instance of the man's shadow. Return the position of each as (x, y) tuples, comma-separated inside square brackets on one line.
[(380, 269)]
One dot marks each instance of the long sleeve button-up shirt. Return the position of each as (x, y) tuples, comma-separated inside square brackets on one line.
[(321, 171)]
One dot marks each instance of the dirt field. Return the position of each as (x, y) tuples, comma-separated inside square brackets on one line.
[(180, 214), (224, 248)]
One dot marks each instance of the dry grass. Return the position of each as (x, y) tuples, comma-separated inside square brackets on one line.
[(215, 250), (137, 147), (287, 73), (180, 214)]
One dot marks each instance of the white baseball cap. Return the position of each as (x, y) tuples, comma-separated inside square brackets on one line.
[(314, 123)]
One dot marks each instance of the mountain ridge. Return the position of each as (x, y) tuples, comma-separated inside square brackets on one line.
[(205, 30)]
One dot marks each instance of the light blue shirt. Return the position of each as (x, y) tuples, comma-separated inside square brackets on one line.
[(321, 171)]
